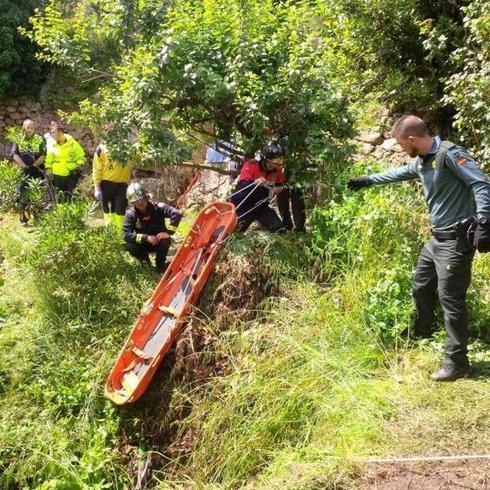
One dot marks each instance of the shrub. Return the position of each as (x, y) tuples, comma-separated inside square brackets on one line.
[(10, 178)]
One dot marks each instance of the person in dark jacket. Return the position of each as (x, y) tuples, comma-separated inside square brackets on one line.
[(145, 230), (28, 152), (260, 180)]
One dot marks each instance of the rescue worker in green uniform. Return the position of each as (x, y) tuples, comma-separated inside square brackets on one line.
[(457, 192), (63, 162)]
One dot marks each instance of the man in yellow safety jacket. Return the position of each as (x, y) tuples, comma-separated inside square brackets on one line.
[(110, 184), (63, 161)]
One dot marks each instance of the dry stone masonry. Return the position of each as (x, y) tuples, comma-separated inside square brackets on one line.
[(14, 111)]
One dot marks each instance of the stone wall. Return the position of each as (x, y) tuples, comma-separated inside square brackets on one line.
[(377, 143), (14, 111)]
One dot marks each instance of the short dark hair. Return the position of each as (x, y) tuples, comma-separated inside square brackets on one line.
[(409, 125)]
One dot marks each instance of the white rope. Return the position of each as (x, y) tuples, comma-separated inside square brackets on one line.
[(255, 207), (242, 189), (248, 195), (415, 459), (420, 459)]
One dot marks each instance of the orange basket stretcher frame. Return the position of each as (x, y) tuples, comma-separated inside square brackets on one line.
[(163, 315)]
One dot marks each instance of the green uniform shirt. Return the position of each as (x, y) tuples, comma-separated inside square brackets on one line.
[(454, 191)]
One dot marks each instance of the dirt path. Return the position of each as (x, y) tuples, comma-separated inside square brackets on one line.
[(469, 475)]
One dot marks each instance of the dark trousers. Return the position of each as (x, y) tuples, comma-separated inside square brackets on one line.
[(66, 185), (141, 251), (113, 197), (295, 197), (444, 271), (264, 214), (31, 172)]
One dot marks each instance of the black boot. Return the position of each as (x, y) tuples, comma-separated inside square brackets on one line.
[(450, 372)]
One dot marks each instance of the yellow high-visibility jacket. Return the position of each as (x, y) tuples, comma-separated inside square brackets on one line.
[(63, 159), (104, 168)]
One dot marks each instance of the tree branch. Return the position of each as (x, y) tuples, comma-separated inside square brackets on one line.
[(213, 168)]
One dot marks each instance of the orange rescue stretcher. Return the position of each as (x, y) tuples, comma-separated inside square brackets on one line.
[(162, 317)]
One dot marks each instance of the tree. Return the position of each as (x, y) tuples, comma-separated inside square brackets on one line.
[(468, 88), (20, 72), (400, 50), (214, 69)]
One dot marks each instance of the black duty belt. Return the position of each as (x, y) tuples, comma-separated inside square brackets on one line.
[(444, 235)]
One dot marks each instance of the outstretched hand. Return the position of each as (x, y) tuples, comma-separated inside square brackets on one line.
[(359, 183)]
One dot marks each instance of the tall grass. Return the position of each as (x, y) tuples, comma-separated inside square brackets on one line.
[(312, 374), (77, 294), (314, 385)]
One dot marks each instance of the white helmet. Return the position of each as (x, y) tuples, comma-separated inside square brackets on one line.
[(135, 192)]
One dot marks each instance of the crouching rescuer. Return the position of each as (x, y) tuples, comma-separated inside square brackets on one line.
[(145, 230), (458, 196)]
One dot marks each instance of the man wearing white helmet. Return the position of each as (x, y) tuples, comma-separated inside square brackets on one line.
[(145, 229)]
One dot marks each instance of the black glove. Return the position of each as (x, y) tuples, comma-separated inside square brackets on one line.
[(359, 183), (482, 235)]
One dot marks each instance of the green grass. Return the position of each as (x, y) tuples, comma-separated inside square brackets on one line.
[(305, 372)]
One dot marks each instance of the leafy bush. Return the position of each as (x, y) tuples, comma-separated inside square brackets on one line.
[(231, 68), (82, 269), (10, 178), (80, 294)]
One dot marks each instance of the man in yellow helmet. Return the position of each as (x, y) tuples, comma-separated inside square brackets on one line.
[(110, 185), (63, 161)]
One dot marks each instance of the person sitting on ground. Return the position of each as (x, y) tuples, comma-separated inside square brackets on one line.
[(110, 185), (260, 180), (63, 162), (145, 230), (28, 153)]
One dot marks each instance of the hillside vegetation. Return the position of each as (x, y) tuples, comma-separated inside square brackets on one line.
[(298, 364), (295, 367)]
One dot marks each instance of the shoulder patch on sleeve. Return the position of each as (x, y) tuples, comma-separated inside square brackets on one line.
[(461, 156)]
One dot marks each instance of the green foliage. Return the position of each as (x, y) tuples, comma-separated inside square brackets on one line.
[(468, 88), (82, 269), (232, 68), (400, 50), (308, 383), (79, 297), (298, 379), (20, 73), (10, 177)]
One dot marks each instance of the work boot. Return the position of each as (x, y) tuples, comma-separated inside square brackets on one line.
[(450, 372)]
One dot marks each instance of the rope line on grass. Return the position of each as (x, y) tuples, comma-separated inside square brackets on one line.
[(420, 459)]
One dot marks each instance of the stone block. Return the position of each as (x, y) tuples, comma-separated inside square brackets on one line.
[(389, 145), (379, 152), (373, 137), (11, 108), (366, 149)]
